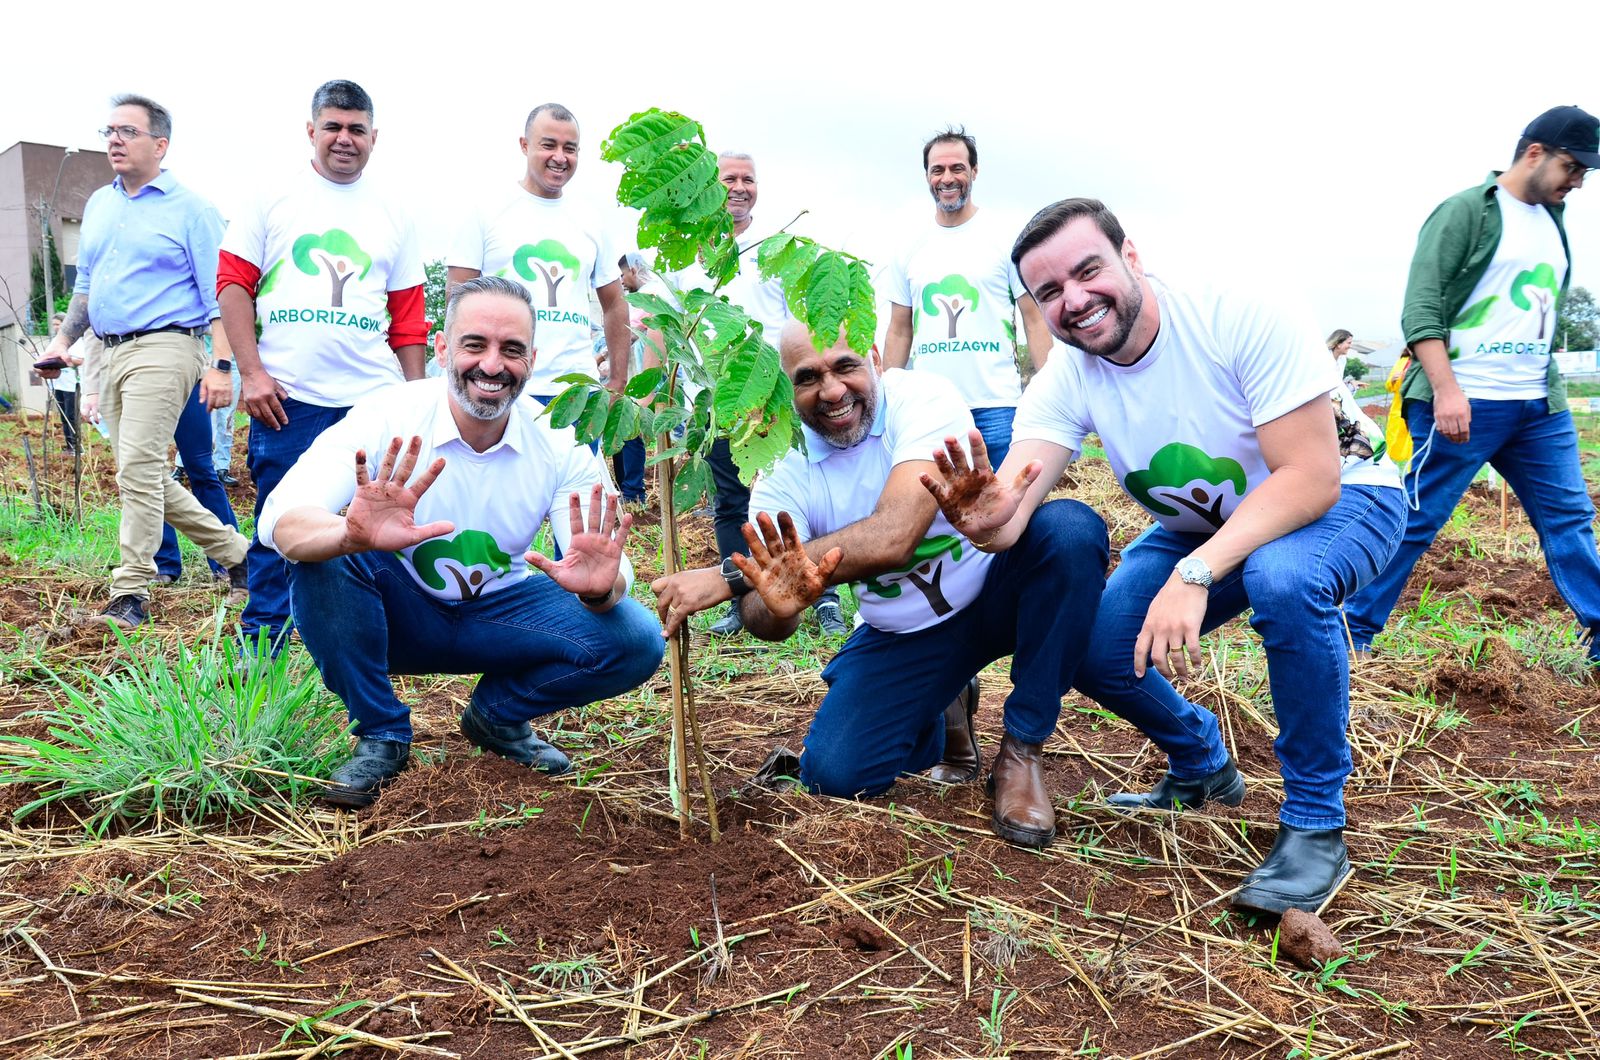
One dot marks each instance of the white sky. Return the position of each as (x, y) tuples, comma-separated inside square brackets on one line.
[(1239, 142)]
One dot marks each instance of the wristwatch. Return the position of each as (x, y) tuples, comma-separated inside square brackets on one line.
[(735, 578), (1193, 571), (223, 366)]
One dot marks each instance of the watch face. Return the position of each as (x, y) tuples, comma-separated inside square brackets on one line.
[(1194, 571)]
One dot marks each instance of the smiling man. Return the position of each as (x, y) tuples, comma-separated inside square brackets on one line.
[(537, 237), (327, 266), (439, 563), (1216, 416), (953, 290), (1482, 301), (935, 610), (146, 283)]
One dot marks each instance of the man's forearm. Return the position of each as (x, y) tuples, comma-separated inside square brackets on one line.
[(1435, 361), (413, 361), (897, 342), (77, 321), (239, 321), (619, 340), (1289, 498), (310, 535)]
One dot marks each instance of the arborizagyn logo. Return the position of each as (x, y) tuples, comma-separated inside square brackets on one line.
[(952, 296), (336, 253), (925, 571), (471, 558), (548, 260), (1182, 479), (1536, 287)]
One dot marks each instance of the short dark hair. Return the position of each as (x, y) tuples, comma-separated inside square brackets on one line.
[(160, 117), (486, 285), (340, 95), (1053, 218), (556, 111), (952, 134)]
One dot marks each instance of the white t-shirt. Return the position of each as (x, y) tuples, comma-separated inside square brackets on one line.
[(824, 489), (1500, 341), (497, 499), (560, 254), (961, 288), (329, 255), (1179, 425)]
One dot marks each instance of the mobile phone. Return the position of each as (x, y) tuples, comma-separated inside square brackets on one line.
[(50, 363)]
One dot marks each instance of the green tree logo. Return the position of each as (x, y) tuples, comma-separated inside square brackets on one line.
[(458, 556), (550, 261), (1185, 476), (953, 295), (269, 279), (335, 252), (1536, 287), (924, 571)]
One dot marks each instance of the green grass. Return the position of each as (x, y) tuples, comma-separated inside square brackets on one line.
[(51, 542), (179, 735)]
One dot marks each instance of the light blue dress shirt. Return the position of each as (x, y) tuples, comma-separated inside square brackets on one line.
[(149, 260)]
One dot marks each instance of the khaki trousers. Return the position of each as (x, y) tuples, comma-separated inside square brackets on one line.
[(145, 384)]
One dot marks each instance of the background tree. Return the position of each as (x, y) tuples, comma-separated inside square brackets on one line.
[(1579, 325), (38, 314), (1356, 368), (743, 395)]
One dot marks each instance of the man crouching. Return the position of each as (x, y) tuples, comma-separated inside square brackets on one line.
[(429, 576), (935, 610)]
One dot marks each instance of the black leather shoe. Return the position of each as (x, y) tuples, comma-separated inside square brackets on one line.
[(1305, 867), (516, 742), (730, 623), (1225, 786), (227, 478), (961, 759), (375, 763)]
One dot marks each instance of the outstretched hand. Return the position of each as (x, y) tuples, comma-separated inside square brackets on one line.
[(593, 557), (971, 497), (778, 568), (382, 514)]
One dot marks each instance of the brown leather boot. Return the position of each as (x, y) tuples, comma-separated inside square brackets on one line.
[(1023, 813), (961, 760)]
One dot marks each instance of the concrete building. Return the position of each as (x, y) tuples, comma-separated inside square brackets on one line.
[(35, 180)]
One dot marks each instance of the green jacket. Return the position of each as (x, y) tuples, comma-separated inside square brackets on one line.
[(1454, 249)]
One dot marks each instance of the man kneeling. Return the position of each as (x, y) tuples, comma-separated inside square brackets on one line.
[(851, 508), (429, 576)]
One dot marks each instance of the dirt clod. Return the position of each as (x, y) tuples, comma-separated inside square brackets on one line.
[(1306, 940)]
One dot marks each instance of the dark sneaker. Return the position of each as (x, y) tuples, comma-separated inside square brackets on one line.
[(374, 764), (1304, 869), (124, 612), (227, 478), (516, 742), (830, 616), (1225, 786), (238, 577), (730, 623)]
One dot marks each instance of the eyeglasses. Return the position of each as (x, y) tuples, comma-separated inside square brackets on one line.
[(1575, 168), (124, 132)]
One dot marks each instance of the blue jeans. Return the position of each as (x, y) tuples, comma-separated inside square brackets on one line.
[(628, 466), (271, 453), (222, 429), (1537, 453), (1293, 587), (995, 426), (193, 438), (539, 650), (887, 692)]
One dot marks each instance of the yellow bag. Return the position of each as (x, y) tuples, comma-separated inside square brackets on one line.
[(1397, 438)]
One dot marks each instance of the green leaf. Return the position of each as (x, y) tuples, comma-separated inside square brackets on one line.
[(595, 413), (760, 451), (668, 420), (827, 298), (665, 454), (644, 383), (577, 377), (567, 406), (622, 423), (647, 135), (861, 317), (675, 179), (1475, 314), (693, 480)]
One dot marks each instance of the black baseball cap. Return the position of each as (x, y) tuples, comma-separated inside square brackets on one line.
[(1569, 129)]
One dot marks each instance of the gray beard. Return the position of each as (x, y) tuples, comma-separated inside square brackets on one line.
[(483, 410)]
